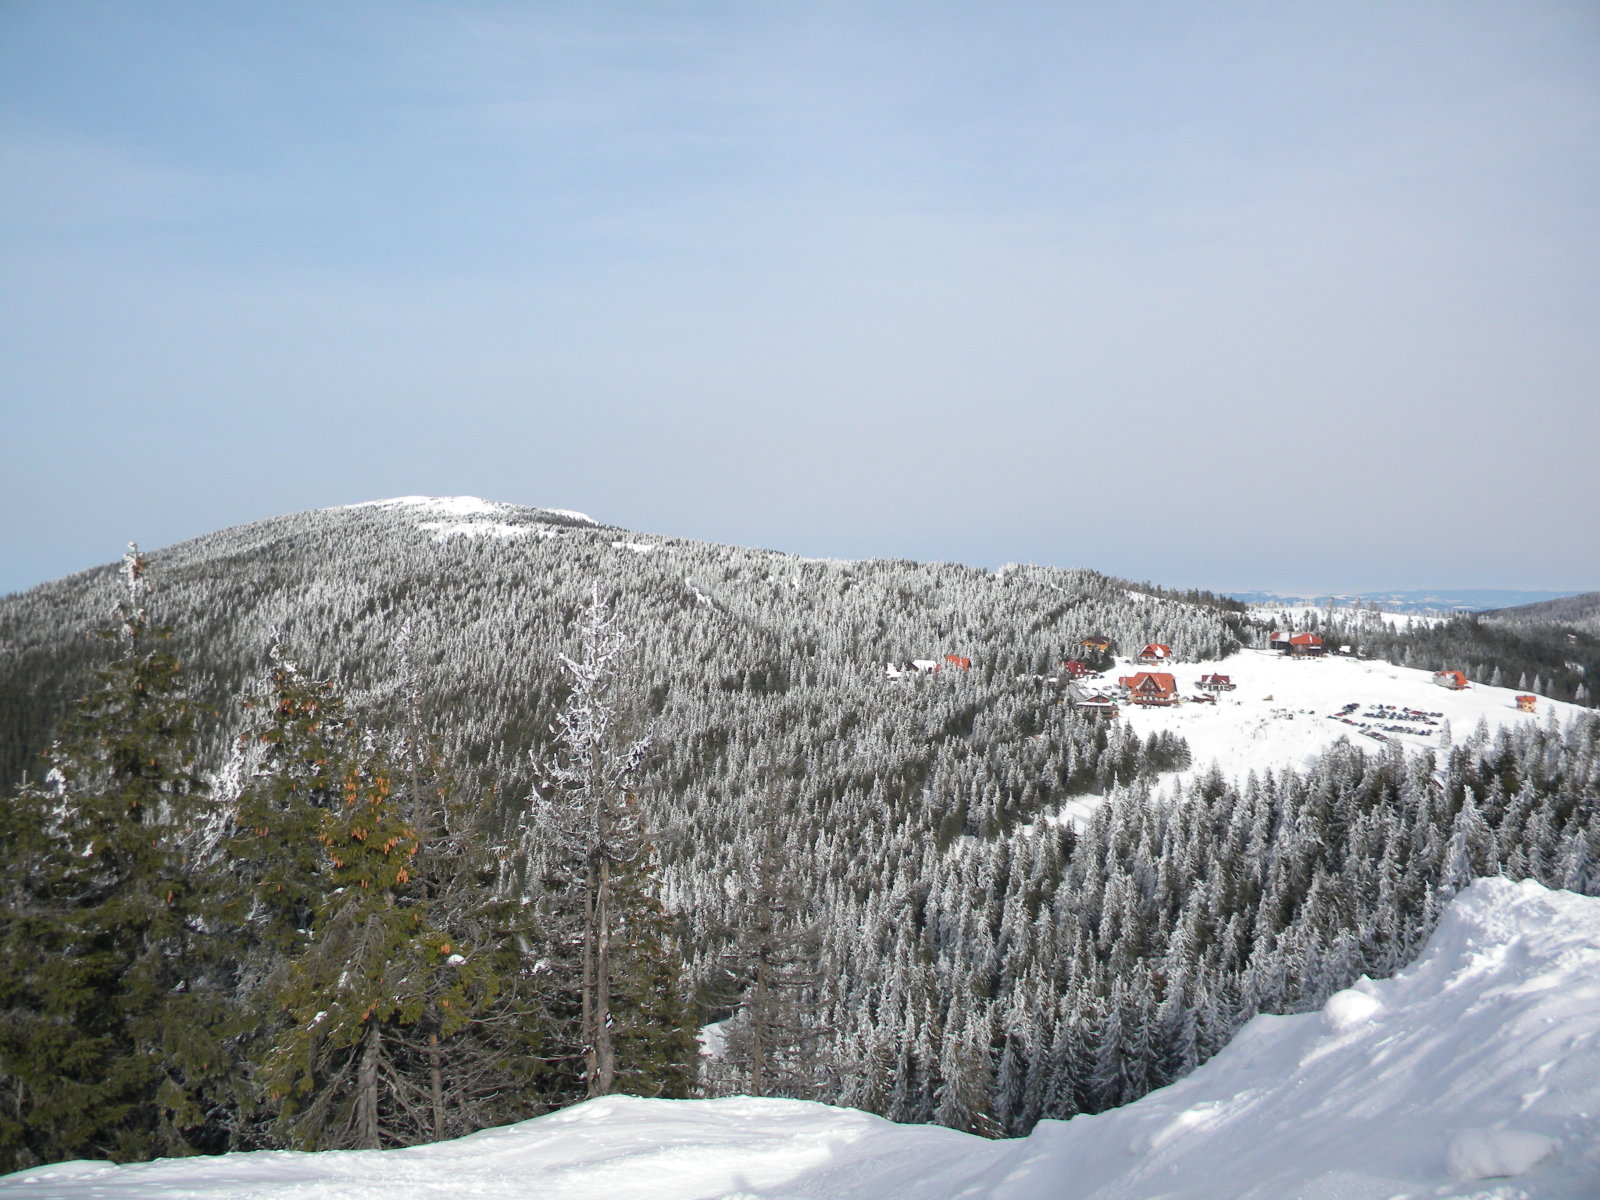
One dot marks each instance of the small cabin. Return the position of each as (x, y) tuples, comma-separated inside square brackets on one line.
[(926, 666), (1097, 642), (1526, 703), (1454, 680), (1155, 652), (1216, 683), (1153, 687), (955, 660), (1098, 707)]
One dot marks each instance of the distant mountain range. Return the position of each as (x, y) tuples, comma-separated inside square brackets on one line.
[(1422, 600)]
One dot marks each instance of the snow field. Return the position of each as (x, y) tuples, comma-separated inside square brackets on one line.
[(1282, 713)]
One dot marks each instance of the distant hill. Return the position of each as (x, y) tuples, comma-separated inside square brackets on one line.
[(736, 640), (1580, 612), (1431, 600)]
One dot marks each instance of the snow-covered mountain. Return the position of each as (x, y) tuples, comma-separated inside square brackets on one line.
[(999, 908), (1474, 1073)]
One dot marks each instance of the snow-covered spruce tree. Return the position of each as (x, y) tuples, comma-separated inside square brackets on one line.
[(772, 969), (110, 1020), (590, 870)]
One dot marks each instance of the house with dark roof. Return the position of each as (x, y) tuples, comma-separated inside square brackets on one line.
[(1099, 706)]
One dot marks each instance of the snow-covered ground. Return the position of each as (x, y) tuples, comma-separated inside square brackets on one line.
[(1284, 712), (1474, 1073)]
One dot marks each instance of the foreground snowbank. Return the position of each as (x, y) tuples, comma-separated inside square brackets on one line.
[(1475, 1073)]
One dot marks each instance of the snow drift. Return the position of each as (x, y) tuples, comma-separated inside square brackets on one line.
[(1473, 1073)]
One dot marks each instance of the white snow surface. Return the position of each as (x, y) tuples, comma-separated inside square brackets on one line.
[(1283, 710), (1475, 1073)]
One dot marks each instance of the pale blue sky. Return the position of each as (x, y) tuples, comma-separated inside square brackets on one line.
[(1237, 295)]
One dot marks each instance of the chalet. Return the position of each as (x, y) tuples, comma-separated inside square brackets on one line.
[(1216, 683), (955, 660), (1297, 645), (1306, 645), (1155, 653), (1526, 703), (1098, 643), (1098, 706), (1075, 669), (926, 666), (1454, 680), (1153, 687)]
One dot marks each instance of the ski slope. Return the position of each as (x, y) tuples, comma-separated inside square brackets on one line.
[(1474, 1073)]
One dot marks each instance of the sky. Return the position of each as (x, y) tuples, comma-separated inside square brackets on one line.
[(1241, 295)]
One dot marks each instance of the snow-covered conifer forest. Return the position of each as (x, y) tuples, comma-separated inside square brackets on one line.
[(380, 825)]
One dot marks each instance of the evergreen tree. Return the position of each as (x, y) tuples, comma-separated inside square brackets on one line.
[(110, 1025), (360, 979), (772, 965)]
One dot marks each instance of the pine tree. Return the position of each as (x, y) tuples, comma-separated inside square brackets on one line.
[(109, 1040), (772, 963), (359, 977)]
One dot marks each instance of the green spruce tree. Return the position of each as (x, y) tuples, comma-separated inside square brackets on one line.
[(112, 1024)]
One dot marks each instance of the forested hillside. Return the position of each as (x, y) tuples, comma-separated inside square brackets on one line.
[(1581, 613), (398, 817), (732, 640)]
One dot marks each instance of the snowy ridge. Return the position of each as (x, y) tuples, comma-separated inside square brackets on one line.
[(472, 517), (468, 506), (1474, 1073)]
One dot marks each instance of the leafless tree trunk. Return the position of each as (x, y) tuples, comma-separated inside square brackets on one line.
[(603, 1070)]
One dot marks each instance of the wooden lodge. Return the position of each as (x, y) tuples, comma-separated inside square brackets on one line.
[(1152, 688), (1297, 645), (958, 661), (1155, 654), (1216, 683), (1454, 680), (1097, 643), (1100, 707)]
